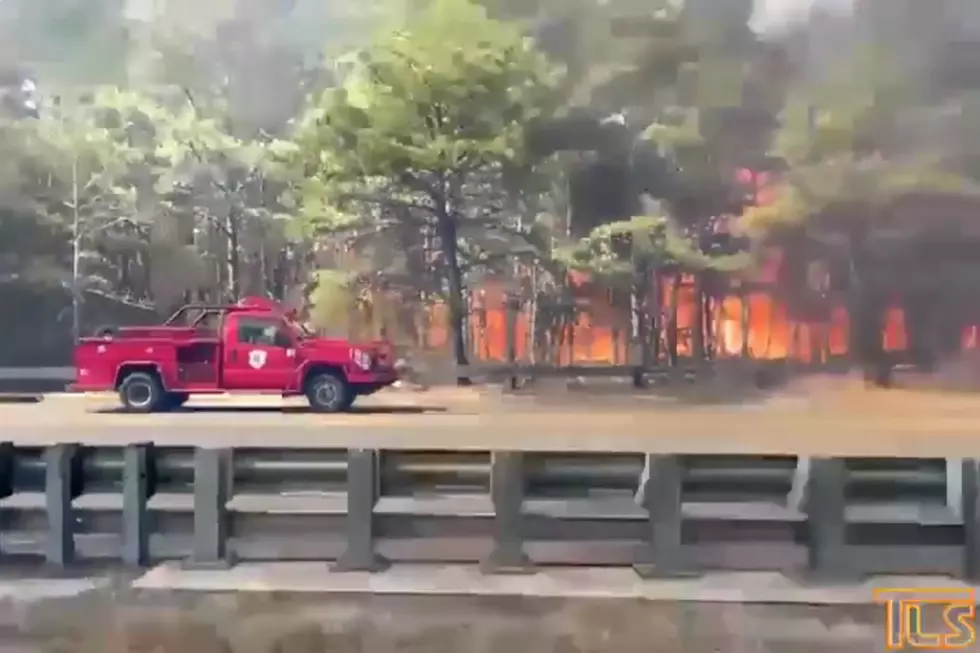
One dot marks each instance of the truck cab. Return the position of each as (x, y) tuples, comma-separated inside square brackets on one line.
[(250, 347)]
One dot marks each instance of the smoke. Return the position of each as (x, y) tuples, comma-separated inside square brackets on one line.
[(775, 16)]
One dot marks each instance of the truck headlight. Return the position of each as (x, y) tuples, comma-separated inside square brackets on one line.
[(361, 359)]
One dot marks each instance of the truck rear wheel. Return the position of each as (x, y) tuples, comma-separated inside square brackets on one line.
[(329, 393), (141, 392)]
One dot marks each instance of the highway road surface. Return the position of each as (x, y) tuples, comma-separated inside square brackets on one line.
[(827, 421)]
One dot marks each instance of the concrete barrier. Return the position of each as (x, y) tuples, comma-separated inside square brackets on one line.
[(20, 398), (66, 374)]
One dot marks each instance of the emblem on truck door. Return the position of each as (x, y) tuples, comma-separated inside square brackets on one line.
[(256, 359)]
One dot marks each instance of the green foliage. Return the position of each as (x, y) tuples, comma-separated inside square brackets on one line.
[(419, 137), (194, 145), (815, 198), (613, 252), (410, 162), (409, 171), (132, 177), (82, 148), (74, 179), (430, 98), (332, 300), (841, 142)]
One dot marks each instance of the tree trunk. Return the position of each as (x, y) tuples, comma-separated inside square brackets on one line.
[(215, 246), (233, 257), (640, 322), (675, 293), (265, 272), (697, 321), (570, 337), (868, 324), (655, 313), (532, 317), (867, 312), (710, 333), (933, 326), (76, 258), (124, 282), (148, 271), (455, 299), (745, 320)]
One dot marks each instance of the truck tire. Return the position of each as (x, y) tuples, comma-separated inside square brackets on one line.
[(141, 392), (328, 393)]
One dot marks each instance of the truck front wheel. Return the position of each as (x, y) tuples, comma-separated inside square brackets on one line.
[(140, 392), (329, 393)]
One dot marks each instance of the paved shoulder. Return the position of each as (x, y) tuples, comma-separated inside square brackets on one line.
[(915, 426)]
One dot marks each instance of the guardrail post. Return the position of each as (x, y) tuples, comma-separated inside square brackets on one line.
[(662, 498), (136, 492), (211, 495), (797, 497), (507, 493), (971, 519), (59, 469), (7, 452), (826, 518), (954, 485), (363, 488)]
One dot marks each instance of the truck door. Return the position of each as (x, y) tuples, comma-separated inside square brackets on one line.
[(259, 354)]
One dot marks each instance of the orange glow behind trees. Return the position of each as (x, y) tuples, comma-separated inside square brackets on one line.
[(601, 333)]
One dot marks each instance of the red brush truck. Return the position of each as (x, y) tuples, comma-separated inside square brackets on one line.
[(252, 346)]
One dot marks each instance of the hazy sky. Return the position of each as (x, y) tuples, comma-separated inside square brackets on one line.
[(773, 14)]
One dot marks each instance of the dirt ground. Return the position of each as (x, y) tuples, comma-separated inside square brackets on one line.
[(378, 624)]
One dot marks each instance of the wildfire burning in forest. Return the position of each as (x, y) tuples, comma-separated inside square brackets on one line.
[(763, 328), (601, 335)]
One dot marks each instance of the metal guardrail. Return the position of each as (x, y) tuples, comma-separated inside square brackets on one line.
[(507, 510), (28, 384), (66, 374)]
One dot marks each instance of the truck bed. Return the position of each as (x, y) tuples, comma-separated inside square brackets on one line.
[(195, 353), (158, 332)]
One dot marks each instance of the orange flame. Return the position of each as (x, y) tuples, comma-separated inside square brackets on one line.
[(602, 334)]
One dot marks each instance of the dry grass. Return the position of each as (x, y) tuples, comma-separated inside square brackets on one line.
[(251, 623)]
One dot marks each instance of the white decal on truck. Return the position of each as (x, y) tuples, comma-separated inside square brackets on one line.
[(256, 359)]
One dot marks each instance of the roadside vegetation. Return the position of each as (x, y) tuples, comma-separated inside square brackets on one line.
[(389, 164)]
